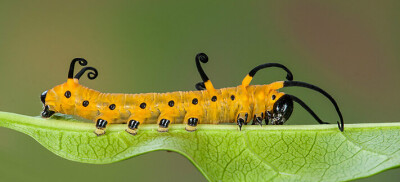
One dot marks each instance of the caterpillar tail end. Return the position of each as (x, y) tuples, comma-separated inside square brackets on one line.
[(341, 127)]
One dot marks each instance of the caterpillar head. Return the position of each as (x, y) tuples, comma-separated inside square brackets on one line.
[(61, 98), (46, 112), (280, 105), (279, 108)]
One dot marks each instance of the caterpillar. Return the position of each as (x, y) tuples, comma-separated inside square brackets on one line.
[(206, 105)]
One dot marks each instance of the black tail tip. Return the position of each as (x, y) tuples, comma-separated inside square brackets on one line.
[(341, 127), (202, 57)]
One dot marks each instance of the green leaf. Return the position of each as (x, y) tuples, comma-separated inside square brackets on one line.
[(222, 152)]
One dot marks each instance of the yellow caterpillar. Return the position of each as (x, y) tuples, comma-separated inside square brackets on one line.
[(208, 105)]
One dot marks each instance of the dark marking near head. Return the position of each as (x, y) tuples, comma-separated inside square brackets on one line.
[(273, 97), (195, 101), (282, 110), (143, 105), (214, 98), (171, 103), (46, 112), (232, 97), (67, 94), (112, 106), (85, 103), (43, 97)]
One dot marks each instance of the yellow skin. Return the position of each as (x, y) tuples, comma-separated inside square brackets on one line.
[(251, 100)]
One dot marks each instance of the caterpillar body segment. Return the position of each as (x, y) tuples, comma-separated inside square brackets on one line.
[(242, 117), (208, 105)]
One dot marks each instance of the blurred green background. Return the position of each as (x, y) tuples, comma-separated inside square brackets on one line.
[(348, 48)]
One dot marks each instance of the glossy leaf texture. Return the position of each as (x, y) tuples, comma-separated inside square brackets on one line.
[(223, 153)]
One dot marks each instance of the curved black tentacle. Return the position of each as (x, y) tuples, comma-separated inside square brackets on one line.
[(289, 75), (91, 75), (81, 61), (200, 86), (204, 59), (313, 87), (304, 105)]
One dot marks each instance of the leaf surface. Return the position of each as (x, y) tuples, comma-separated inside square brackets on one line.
[(223, 153)]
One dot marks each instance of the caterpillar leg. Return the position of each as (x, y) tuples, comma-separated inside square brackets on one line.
[(191, 122), (100, 127), (194, 111), (163, 124), (268, 117), (164, 120), (259, 107), (242, 119), (167, 117), (244, 110), (258, 118), (139, 114), (134, 122), (132, 126), (168, 112)]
